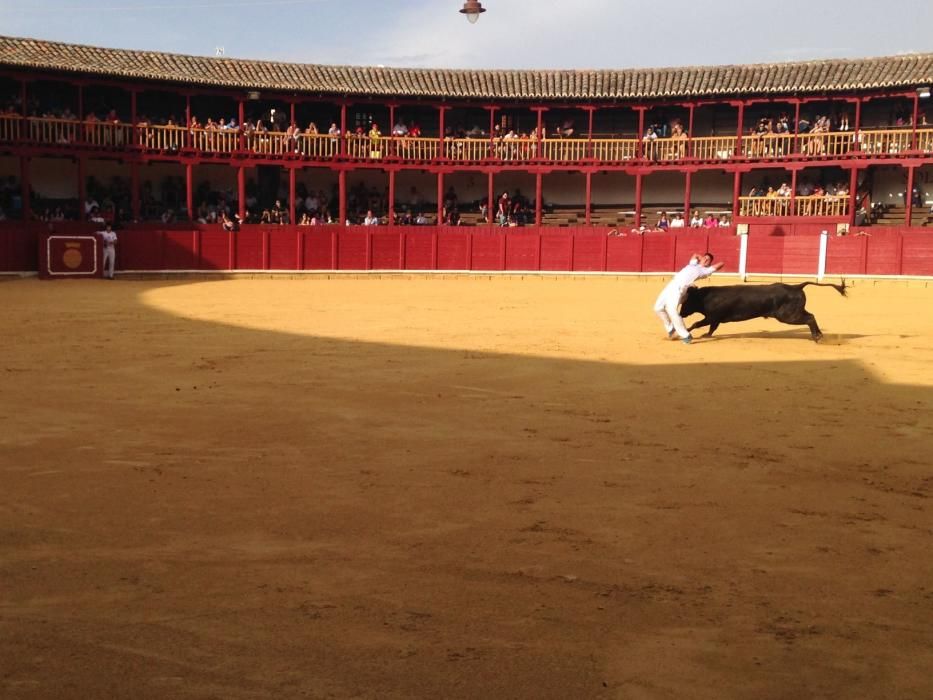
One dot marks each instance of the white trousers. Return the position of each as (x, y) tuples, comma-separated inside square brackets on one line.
[(110, 260), (667, 309)]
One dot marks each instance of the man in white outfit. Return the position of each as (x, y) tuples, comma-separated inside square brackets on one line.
[(668, 303), (109, 238)]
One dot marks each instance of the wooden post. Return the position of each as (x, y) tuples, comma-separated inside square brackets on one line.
[(741, 128), (189, 190), (188, 121), (292, 204), (909, 195), (241, 120), (587, 216), (134, 191), (916, 118), (82, 187), (342, 196), (795, 147), (539, 198), (26, 188), (638, 184), (492, 202), (853, 194), (440, 198), (589, 135), (687, 184), (241, 192), (793, 192), (343, 139), (134, 140), (441, 147), (640, 137), (391, 204), (736, 193), (858, 124), (689, 153)]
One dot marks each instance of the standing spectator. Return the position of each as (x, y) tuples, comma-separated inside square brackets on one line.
[(109, 239)]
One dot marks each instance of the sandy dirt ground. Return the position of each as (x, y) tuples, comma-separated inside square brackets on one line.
[(460, 488)]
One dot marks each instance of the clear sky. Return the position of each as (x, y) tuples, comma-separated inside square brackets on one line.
[(511, 34)]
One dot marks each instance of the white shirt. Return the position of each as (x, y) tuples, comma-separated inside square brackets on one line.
[(677, 222), (691, 273), (110, 237)]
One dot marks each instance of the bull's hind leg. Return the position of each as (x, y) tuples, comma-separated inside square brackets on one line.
[(801, 317)]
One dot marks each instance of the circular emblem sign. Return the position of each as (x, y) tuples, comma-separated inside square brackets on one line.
[(72, 256)]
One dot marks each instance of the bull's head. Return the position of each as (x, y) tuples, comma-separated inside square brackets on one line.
[(692, 303)]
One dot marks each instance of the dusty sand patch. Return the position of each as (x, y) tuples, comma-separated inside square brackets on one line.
[(459, 488)]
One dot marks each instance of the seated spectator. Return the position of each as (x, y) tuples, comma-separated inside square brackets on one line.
[(696, 221), (783, 190), (677, 221), (711, 222), (421, 219), (663, 223), (370, 219), (400, 129), (723, 221)]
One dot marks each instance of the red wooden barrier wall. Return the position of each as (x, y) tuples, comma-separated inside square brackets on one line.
[(791, 249)]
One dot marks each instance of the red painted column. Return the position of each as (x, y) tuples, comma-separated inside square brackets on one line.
[(736, 193), (913, 136), (441, 147), (343, 138), (291, 112), (188, 121), (589, 136), (82, 187), (440, 199), (638, 179), (740, 129), (858, 124), (492, 200), (81, 114), (390, 214), (853, 194), (134, 140), (241, 192), (540, 134), (909, 195), (189, 190), (687, 183), (342, 196), (539, 198), (22, 97), (793, 192), (241, 120), (292, 204), (689, 153), (134, 191), (639, 140), (492, 126), (589, 198), (25, 188), (794, 147)]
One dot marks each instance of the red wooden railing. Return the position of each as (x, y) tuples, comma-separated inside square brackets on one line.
[(786, 249), (120, 136)]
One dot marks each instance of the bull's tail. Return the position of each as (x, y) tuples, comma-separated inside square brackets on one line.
[(841, 288)]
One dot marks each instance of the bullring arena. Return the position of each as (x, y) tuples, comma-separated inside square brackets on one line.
[(410, 486), (377, 407)]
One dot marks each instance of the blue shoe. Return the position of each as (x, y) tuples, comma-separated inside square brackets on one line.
[(670, 334), (687, 340)]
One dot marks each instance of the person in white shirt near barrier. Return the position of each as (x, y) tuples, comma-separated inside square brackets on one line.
[(109, 238), (668, 303)]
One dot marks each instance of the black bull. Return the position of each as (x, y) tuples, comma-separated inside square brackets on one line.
[(784, 302)]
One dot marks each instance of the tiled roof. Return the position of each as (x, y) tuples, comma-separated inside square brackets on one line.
[(827, 76)]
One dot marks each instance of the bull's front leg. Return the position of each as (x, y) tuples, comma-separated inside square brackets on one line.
[(699, 324)]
